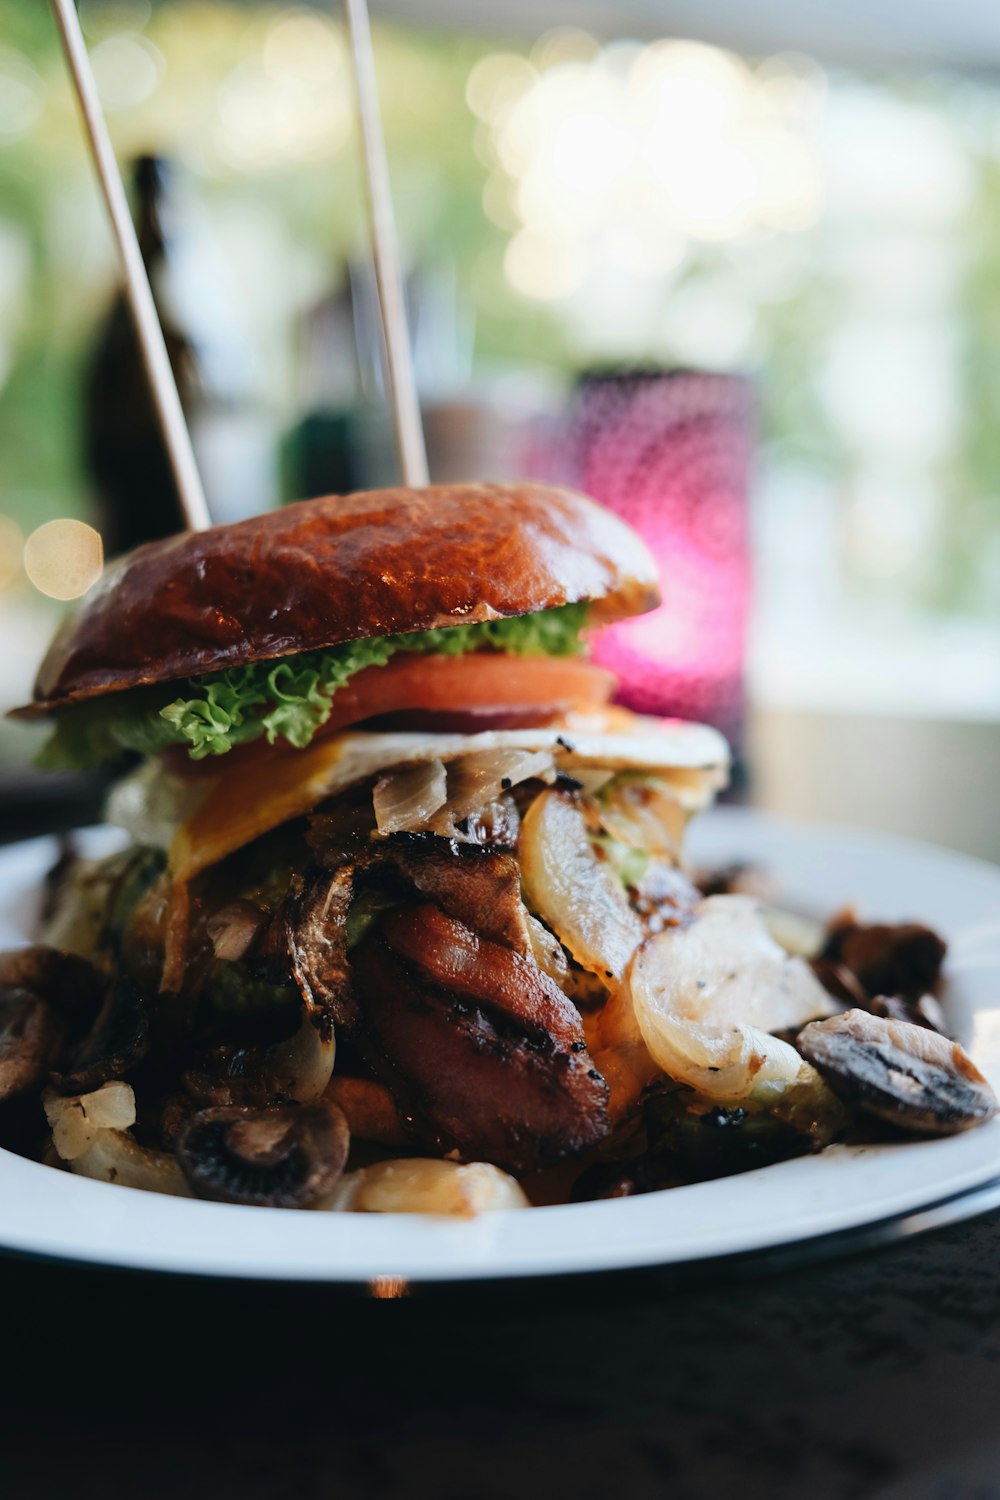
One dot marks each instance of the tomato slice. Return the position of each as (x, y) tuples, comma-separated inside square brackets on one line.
[(487, 689)]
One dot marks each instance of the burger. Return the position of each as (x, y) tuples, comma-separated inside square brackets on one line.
[(392, 850), (399, 918)]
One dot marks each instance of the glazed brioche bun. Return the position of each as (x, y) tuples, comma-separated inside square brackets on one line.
[(342, 568)]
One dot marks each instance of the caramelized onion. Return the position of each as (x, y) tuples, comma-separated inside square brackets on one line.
[(232, 930), (426, 1186), (430, 798), (640, 812), (476, 780), (574, 894), (407, 798)]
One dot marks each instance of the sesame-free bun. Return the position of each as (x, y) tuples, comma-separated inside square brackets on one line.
[(340, 568)]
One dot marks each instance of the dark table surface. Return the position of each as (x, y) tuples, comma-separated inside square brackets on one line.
[(875, 1375)]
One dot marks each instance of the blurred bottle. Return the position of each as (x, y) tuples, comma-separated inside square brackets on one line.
[(216, 327), (124, 450)]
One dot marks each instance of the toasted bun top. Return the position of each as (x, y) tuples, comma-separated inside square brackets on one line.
[(338, 569)]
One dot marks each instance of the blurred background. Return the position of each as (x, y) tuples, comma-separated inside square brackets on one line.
[(737, 274)]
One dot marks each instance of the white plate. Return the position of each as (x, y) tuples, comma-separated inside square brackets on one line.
[(52, 1213)]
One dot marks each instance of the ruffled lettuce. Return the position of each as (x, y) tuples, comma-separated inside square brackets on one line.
[(287, 699)]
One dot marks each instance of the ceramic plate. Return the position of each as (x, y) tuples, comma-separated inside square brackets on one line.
[(842, 1190)]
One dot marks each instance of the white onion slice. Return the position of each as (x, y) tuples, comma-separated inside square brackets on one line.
[(77, 1119), (419, 1186), (547, 952), (572, 891), (478, 779), (405, 800), (706, 996), (641, 812), (428, 798), (115, 1157)]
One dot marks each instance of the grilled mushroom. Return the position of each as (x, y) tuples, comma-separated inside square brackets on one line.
[(284, 1157), (293, 1067), (905, 1074), (115, 1044), (73, 986), (900, 959), (28, 1035)]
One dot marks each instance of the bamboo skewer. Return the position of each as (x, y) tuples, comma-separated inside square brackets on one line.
[(140, 296), (385, 250)]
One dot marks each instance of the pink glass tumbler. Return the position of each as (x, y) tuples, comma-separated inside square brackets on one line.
[(670, 452)]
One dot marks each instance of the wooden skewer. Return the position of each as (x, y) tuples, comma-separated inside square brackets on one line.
[(140, 296), (402, 385)]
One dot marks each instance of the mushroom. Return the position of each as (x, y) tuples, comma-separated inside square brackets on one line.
[(73, 986), (900, 959), (283, 1157), (115, 1044), (295, 1067), (28, 1036), (905, 1074)]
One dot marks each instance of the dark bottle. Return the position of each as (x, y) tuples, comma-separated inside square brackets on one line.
[(123, 447)]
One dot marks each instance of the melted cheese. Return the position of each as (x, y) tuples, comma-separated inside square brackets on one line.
[(239, 807)]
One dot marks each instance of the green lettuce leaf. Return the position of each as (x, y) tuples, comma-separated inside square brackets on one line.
[(289, 698)]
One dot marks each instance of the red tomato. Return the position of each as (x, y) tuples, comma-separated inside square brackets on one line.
[(487, 689)]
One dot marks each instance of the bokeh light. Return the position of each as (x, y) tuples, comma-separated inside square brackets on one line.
[(22, 95), (63, 558), (622, 156), (101, 18), (293, 102), (11, 551), (127, 69)]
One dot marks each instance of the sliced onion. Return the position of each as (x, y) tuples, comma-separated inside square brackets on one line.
[(232, 930), (76, 1120), (429, 798), (547, 952), (476, 780), (641, 812), (298, 1067), (707, 995), (115, 1157), (574, 894), (406, 799), (430, 1186)]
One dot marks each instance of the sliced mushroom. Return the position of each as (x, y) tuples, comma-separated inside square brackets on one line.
[(905, 1074), (285, 1157), (28, 1035), (902, 959), (116, 1043), (73, 986), (840, 982), (295, 1067), (925, 1011)]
